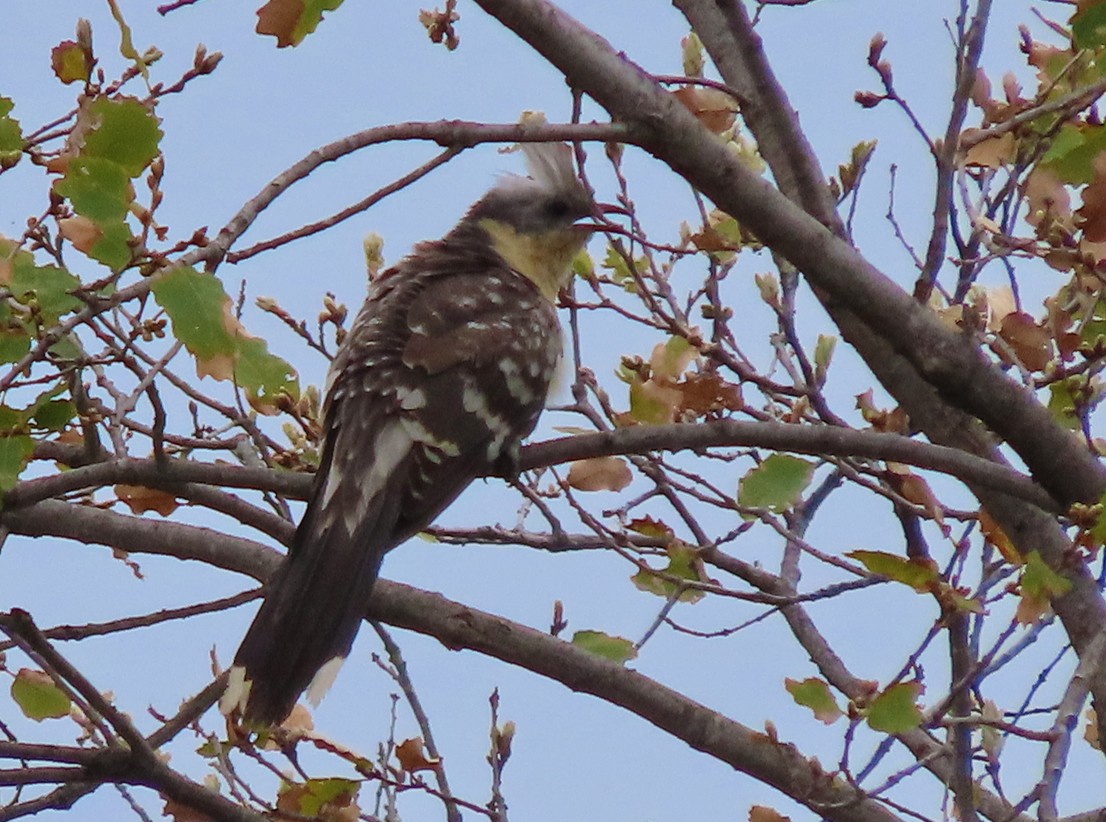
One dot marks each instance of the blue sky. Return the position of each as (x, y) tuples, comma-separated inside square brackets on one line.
[(371, 64)]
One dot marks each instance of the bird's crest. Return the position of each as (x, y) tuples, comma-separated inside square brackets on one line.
[(549, 168), (551, 165)]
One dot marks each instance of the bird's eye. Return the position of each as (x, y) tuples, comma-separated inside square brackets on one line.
[(557, 208)]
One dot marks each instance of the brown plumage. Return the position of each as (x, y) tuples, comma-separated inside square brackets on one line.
[(444, 371)]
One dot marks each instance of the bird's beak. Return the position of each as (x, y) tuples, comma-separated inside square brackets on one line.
[(612, 208), (599, 220)]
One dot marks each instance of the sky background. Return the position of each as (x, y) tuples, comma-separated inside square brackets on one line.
[(371, 64)]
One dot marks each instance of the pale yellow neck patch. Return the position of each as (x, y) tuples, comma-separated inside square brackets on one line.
[(544, 258)]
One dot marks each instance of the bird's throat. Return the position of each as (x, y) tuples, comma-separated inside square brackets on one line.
[(543, 258)]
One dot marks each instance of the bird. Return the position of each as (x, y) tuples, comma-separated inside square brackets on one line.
[(444, 371)]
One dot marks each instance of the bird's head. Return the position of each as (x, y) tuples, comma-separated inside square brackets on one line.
[(532, 221)]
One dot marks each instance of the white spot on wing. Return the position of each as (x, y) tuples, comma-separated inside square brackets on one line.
[(322, 680), (411, 398), (391, 445), (237, 693), (419, 433)]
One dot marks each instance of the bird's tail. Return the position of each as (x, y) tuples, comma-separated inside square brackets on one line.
[(311, 612)]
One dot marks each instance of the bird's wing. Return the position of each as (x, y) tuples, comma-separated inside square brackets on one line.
[(442, 373)]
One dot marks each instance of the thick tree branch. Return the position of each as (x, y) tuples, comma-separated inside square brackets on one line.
[(801, 439), (457, 626), (951, 363), (901, 341)]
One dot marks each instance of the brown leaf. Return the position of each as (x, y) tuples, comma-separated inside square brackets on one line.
[(997, 537), (278, 18), (141, 499), (81, 232), (599, 474), (760, 813), (1093, 210), (995, 304), (181, 812), (1048, 199), (712, 107), (706, 393), (894, 421), (1032, 344), (992, 152), (915, 489), (412, 758), (1090, 733), (650, 527), (125, 558), (1031, 609), (1059, 322)]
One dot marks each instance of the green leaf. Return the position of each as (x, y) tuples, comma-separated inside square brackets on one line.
[(54, 415), (11, 136), (71, 62), (113, 249), (199, 310), (683, 563), (97, 188), (1073, 151), (775, 484), (620, 270), (583, 265), (815, 694), (1062, 401), (318, 792), (1041, 582), (1088, 26), (126, 41), (652, 403), (14, 339), (895, 710), (46, 287), (919, 574), (670, 359), (264, 376), (38, 697), (614, 648), (15, 453), (127, 134), (14, 343), (276, 18), (823, 354), (693, 60)]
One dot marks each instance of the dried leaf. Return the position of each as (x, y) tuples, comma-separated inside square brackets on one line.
[(894, 421), (1048, 199), (992, 152), (141, 499), (761, 813), (600, 474), (714, 108), (412, 756), (915, 489), (1031, 343), (1093, 210), (708, 393), (179, 812), (997, 537)]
